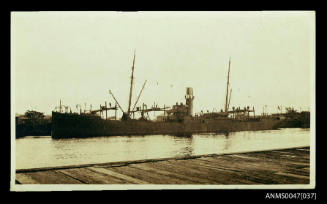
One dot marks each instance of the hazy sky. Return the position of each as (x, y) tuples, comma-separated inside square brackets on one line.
[(78, 56)]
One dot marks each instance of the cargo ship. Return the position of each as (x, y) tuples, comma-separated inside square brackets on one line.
[(177, 120)]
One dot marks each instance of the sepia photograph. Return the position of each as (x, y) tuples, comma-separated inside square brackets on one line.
[(113, 100)]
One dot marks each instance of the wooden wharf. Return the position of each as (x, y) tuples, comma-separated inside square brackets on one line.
[(287, 166)]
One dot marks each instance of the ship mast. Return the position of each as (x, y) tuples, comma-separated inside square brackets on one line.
[(230, 95), (226, 102), (131, 88)]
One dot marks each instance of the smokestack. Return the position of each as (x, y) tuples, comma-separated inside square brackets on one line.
[(189, 100)]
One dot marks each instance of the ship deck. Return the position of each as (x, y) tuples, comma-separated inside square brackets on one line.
[(288, 166)]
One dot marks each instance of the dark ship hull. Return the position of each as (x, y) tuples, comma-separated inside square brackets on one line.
[(65, 125)]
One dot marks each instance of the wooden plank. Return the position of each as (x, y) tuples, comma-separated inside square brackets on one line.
[(161, 175), (125, 178), (299, 172), (25, 179), (307, 169), (304, 149), (181, 172), (215, 174), (295, 165), (277, 156), (181, 178), (146, 176), (244, 157), (240, 165), (300, 151), (260, 175), (247, 172), (201, 164), (294, 178), (235, 175), (52, 177), (90, 177), (290, 157)]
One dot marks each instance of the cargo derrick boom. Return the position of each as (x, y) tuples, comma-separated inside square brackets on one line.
[(116, 101), (138, 97)]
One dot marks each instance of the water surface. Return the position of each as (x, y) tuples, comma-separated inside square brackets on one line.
[(35, 152)]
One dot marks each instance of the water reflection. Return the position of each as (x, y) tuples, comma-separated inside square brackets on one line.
[(227, 142), (45, 152), (185, 144)]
